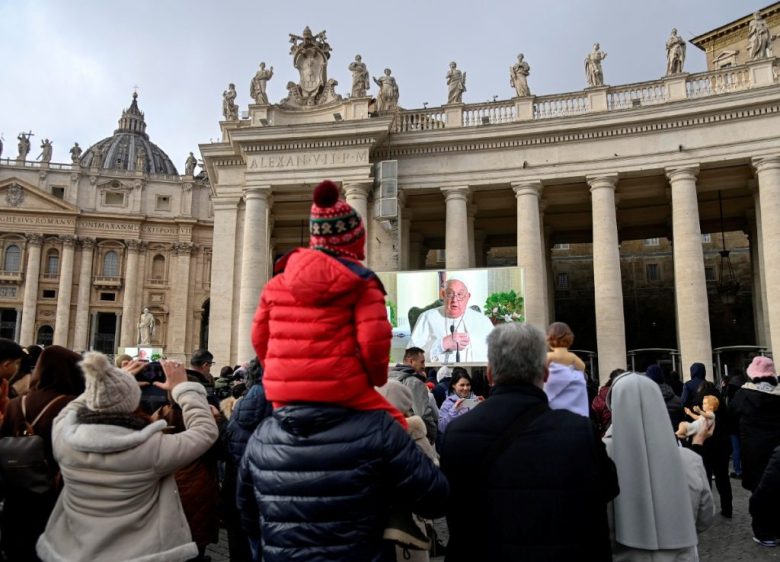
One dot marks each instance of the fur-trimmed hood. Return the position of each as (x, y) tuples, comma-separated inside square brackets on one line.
[(104, 438)]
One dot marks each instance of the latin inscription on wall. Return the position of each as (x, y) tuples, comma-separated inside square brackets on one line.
[(308, 160)]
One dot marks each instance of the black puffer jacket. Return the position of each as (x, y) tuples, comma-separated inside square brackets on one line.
[(325, 478), (250, 410)]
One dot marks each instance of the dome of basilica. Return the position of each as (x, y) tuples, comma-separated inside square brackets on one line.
[(129, 147)]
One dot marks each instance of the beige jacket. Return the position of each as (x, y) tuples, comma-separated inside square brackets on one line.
[(120, 501)]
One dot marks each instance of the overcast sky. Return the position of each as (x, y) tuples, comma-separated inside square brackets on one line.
[(69, 68)]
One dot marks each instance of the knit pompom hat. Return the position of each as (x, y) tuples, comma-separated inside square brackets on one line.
[(761, 367), (334, 225), (108, 389)]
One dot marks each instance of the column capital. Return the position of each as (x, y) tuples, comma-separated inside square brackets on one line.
[(68, 240), (134, 245), (763, 163), (225, 203), (360, 187), (34, 239), (87, 243), (682, 173), (258, 192), (602, 181), (527, 188), (458, 192), (183, 248)]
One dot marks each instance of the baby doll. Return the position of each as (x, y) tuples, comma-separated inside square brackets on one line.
[(706, 416)]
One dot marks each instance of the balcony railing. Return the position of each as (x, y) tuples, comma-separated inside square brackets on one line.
[(50, 276), (102, 281), (11, 276)]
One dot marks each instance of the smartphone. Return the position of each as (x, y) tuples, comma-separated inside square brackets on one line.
[(469, 403)]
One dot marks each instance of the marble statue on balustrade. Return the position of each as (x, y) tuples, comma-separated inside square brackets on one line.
[(387, 98), (310, 56), (518, 76), (46, 151), (675, 53), (189, 165), (759, 38), (24, 145), (140, 160), (456, 84), (593, 71), (75, 153), (229, 106), (257, 87), (97, 157), (1, 146), (360, 81), (146, 328)]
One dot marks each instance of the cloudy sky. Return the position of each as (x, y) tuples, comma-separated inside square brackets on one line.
[(69, 68)]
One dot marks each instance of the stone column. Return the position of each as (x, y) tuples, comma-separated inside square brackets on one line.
[(768, 170), (93, 326), (456, 235), (80, 331), (224, 292), (356, 194), (180, 307), (254, 265), (27, 335), (62, 321), (529, 251), (607, 281), (690, 285), (760, 270), (18, 327), (117, 327), (129, 336), (471, 211)]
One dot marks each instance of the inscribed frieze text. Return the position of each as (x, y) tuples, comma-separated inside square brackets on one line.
[(308, 160), (36, 220), (114, 226)]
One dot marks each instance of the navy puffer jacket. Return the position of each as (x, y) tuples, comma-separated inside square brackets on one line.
[(252, 409), (326, 477)]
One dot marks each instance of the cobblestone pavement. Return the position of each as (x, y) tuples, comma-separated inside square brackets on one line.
[(728, 540)]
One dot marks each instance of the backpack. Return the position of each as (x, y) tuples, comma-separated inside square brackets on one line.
[(23, 461)]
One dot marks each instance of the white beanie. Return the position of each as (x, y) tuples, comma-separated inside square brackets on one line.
[(443, 373), (108, 389)]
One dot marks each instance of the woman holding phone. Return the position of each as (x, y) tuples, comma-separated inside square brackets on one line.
[(460, 400)]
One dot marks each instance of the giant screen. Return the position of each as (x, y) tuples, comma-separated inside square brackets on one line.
[(449, 313)]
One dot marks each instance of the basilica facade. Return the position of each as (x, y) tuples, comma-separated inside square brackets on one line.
[(573, 184)]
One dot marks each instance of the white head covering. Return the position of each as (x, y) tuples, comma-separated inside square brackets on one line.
[(443, 373), (653, 510)]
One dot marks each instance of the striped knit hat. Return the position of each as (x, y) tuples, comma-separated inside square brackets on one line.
[(334, 225)]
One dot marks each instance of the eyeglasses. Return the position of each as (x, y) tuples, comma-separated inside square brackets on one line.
[(451, 295)]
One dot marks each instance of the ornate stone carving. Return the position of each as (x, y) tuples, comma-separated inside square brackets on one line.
[(229, 106), (87, 243), (183, 248), (759, 39), (68, 240), (42, 174), (675, 53), (189, 165), (593, 72), (140, 160), (456, 84), (14, 195), (310, 56), (146, 327), (97, 156), (75, 153), (46, 151), (92, 180), (360, 81), (34, 239), (134, 245), (24, 145), (257, 87), (387, 99), (518, 76)]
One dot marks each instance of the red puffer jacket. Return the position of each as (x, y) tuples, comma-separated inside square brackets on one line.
[(321, 333)]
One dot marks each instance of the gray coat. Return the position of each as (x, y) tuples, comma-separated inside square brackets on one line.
[(421, 405)]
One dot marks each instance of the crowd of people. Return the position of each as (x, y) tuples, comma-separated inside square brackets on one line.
[(317, 450)]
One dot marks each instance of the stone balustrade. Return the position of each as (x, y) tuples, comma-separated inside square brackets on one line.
[(85, 170), (560, 105), (636, 95), (489, 113), (419, 120), (725, 80)]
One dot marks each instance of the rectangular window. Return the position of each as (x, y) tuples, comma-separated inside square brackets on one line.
[(706, 238), (114, 198), (709, 273), (563, 282), (652, 241), (49, 294), (564, 246), (163, 203), (108, 296), (653, 272), (58, 192)]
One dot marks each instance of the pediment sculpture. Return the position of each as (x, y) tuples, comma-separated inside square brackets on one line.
[(310, 56)]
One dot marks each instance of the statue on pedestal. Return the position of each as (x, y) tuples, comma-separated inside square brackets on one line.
[(146, 328), (387, 99), (593, 71), (46, 151), (360, 81), (140, 160), (310, 56), (759, 39), (97, 156), (189, 165), (75, 153), (518, 76), (257, 87), (675, 54), (456, 84), (229, 107), (24, 145)]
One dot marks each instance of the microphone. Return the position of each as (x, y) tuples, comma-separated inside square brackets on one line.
[(457, 348)]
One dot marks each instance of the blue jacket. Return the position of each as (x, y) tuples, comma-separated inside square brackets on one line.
[(252, 409), (325, 478)]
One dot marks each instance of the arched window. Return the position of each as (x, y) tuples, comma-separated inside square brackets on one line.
[(13, 258), (45, 335), (111, 264), (52, 261), (158, 267)]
